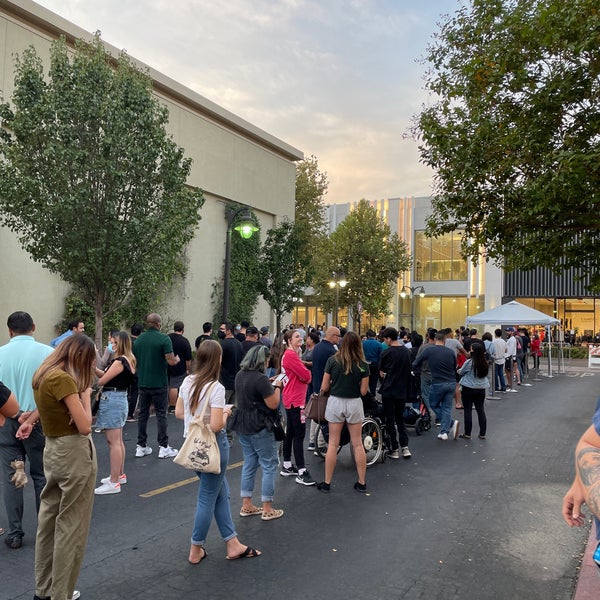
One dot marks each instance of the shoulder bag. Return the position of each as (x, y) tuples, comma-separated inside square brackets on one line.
[(200, 451), (316, 405)]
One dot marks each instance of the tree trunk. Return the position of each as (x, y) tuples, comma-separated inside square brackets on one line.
[(98, 333)]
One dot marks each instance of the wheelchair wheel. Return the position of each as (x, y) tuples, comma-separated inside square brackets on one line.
[(372, 440), (419, 428), (322, 441)]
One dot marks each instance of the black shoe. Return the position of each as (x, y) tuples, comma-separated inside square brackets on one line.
[(324, 487), (285, 472), (360, 487), (14, 543)]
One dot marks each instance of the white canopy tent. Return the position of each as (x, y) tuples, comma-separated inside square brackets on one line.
[(514, 313)]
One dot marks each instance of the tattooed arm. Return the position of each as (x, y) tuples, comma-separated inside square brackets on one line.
[(586, 485)]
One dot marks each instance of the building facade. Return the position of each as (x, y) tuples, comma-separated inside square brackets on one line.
[(233, 161), (442, 288)]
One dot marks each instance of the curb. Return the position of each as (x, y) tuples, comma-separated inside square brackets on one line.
[(588, 584)]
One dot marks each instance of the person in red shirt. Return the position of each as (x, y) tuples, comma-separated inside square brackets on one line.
[(294, 398)]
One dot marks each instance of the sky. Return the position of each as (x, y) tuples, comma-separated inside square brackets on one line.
[(337, 79)]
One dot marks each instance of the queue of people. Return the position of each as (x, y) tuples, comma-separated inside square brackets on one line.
[(245, 380)]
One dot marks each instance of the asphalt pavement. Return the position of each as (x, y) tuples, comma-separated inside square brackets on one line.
[(478, 519)]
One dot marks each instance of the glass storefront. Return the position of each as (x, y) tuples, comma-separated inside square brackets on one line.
[(577, 316)]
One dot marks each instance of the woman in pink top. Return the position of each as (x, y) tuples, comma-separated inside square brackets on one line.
[(294, 397)]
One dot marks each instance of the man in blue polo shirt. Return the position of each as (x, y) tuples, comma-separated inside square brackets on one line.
[(19, 360)]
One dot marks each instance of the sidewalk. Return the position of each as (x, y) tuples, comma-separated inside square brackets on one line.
[(588, 583)]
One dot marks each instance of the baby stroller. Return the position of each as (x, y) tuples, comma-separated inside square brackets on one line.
[(419, 418)]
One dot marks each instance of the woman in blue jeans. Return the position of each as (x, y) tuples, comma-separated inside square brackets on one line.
[(257, 403), (213, 492)]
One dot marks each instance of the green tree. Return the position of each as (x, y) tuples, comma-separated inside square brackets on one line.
[(283, 261), (371, 257), (310, 213), (513, 132), (89, 179)]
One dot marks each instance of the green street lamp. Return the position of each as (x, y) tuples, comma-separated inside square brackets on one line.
[(246, 228)]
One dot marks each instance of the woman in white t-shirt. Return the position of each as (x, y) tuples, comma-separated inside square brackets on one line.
[(213, 493)]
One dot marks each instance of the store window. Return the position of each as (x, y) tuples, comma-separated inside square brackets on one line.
[(439, 259)]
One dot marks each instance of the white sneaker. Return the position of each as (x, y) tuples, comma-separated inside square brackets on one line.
[(76, 595), (454, 429), (167, 452), (393, 454), (122, 479), (142, 451), (442, 436), (108, 488), (405, 452)]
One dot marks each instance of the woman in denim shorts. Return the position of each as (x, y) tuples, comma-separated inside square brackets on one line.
[(112, 412), (347, 379)]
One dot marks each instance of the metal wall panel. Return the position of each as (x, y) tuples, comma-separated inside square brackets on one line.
[(542, 283)]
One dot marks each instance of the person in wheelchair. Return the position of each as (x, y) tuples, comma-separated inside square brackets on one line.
[(347, 379)]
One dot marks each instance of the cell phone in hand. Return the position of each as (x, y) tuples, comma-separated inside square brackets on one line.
[(281, 377)]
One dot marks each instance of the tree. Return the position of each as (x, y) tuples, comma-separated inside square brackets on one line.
[(310, 216), (514, 134), (369, 255), (283, 262), (89, 179)]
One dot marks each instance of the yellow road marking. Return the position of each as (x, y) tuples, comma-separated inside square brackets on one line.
[(178, 484)]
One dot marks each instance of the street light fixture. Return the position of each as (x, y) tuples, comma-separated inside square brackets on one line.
[(337, 284), (246, 229), (411, 291)]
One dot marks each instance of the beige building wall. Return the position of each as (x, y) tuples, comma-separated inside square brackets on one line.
[(233, 161)]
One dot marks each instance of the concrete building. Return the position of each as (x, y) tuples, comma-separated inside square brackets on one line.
[(446, 288), (233, 161)]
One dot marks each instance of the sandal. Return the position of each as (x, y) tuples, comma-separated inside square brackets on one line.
[(459, 407), (247, 553), (248, 512), (195, 562), (276, 513), (464, 436)]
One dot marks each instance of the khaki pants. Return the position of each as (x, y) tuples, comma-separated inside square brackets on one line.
[(65, 514)]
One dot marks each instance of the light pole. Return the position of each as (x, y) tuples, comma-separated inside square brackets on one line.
[(337, 284), (411, 291), (246, 228)]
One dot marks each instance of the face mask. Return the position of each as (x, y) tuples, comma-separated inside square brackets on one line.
[(221, 334)]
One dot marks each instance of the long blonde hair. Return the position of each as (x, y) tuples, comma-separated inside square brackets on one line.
[(75, 356), (205, 369), (124, 347), (350, 352)]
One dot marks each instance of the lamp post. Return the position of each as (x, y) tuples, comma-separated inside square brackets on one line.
[(246, 228), (337, 284), (411, 291)]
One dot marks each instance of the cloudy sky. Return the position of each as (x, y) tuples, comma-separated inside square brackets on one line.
[(339, 79)]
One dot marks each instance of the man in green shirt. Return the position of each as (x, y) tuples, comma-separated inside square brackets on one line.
[(153, 351)]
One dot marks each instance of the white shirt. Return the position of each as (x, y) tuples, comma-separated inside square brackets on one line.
[(216, 400)]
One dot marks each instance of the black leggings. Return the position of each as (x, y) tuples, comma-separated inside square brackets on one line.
[(476, 397), (294, 436)]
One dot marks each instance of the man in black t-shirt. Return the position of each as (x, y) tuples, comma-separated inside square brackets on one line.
[(178, 372), (395, 371), (251, 339), (230, 364), (206, 334)]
